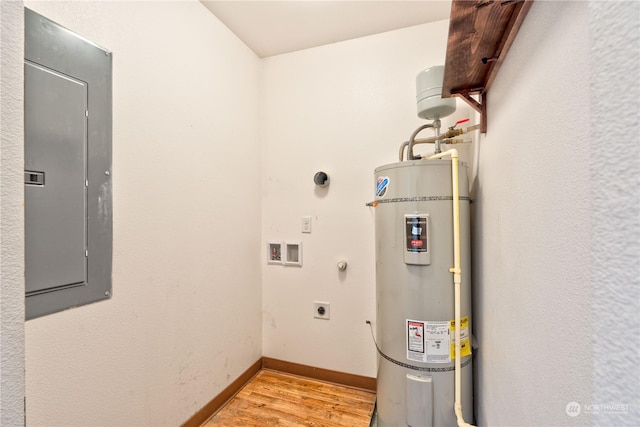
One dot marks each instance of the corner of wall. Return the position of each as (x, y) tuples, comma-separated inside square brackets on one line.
[(12, 372)]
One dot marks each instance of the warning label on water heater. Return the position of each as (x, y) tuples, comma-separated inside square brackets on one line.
[(465, 342), (415, 336), (428, 341)]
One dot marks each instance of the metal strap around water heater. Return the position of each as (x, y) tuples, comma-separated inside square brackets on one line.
[(408, 366), (416, 199)]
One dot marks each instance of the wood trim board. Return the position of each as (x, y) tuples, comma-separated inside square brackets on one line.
[(336, 377), (223, 397)]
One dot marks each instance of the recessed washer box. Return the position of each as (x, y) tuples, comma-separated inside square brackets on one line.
[(293, 253), (274, 252)]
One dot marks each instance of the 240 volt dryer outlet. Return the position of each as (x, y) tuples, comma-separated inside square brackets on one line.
[(321, 310)]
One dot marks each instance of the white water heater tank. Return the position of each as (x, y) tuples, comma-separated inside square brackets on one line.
[(431, 104), (415, 296)]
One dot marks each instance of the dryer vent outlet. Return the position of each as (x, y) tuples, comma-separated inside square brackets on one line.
[(321, 310)]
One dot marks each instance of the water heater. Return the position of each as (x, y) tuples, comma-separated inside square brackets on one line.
[(414, 292), (422, 295)]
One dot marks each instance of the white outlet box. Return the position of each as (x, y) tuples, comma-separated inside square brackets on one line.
[(321, 310)]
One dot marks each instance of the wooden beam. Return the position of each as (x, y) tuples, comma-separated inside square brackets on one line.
[(480, 107), (480, 35), (519, 13)]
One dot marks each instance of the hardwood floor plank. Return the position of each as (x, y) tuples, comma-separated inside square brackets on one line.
[(319, 389), (278, 399)]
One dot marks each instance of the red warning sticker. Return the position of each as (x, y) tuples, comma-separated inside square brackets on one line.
[(415, 336), (428, 341)]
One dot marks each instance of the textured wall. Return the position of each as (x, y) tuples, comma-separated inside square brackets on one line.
[(615, 186), (11, 215), (532, 230), (555, 215), (344, 108), (184, 320), (556, 222)]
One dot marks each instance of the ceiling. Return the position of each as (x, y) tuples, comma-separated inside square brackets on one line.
[(274, 27)]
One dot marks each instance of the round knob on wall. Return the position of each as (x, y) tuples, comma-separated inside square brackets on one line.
[(321, 179), (342, 265)]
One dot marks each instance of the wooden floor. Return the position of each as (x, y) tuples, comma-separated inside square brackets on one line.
[(276, 399)]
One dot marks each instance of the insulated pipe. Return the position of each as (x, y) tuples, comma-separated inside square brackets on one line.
[(438, 138), (448, 134), (410, 155), (401, 154), (457, 278)]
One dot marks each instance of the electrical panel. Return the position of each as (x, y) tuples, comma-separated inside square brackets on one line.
[(67, 176), (55, 191)]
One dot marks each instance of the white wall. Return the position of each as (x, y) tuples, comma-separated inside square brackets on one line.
[(11, 215), (543, 212), (546, 326), (343, 108), (551, 285), (184, 320), (615, 189)]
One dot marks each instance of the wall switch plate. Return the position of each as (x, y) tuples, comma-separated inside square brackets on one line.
[(321, 310), (306, 224)]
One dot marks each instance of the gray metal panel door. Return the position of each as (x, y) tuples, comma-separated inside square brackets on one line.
[(55, 177)]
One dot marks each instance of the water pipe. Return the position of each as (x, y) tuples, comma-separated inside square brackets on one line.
[(457, 278), (402, 147), (451, 133), (437, 149), (448, 134), (410, 155)]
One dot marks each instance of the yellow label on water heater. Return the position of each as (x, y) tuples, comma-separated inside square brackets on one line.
[(465, 341)]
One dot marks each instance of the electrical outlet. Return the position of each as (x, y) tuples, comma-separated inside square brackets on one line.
[(321, 310)]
